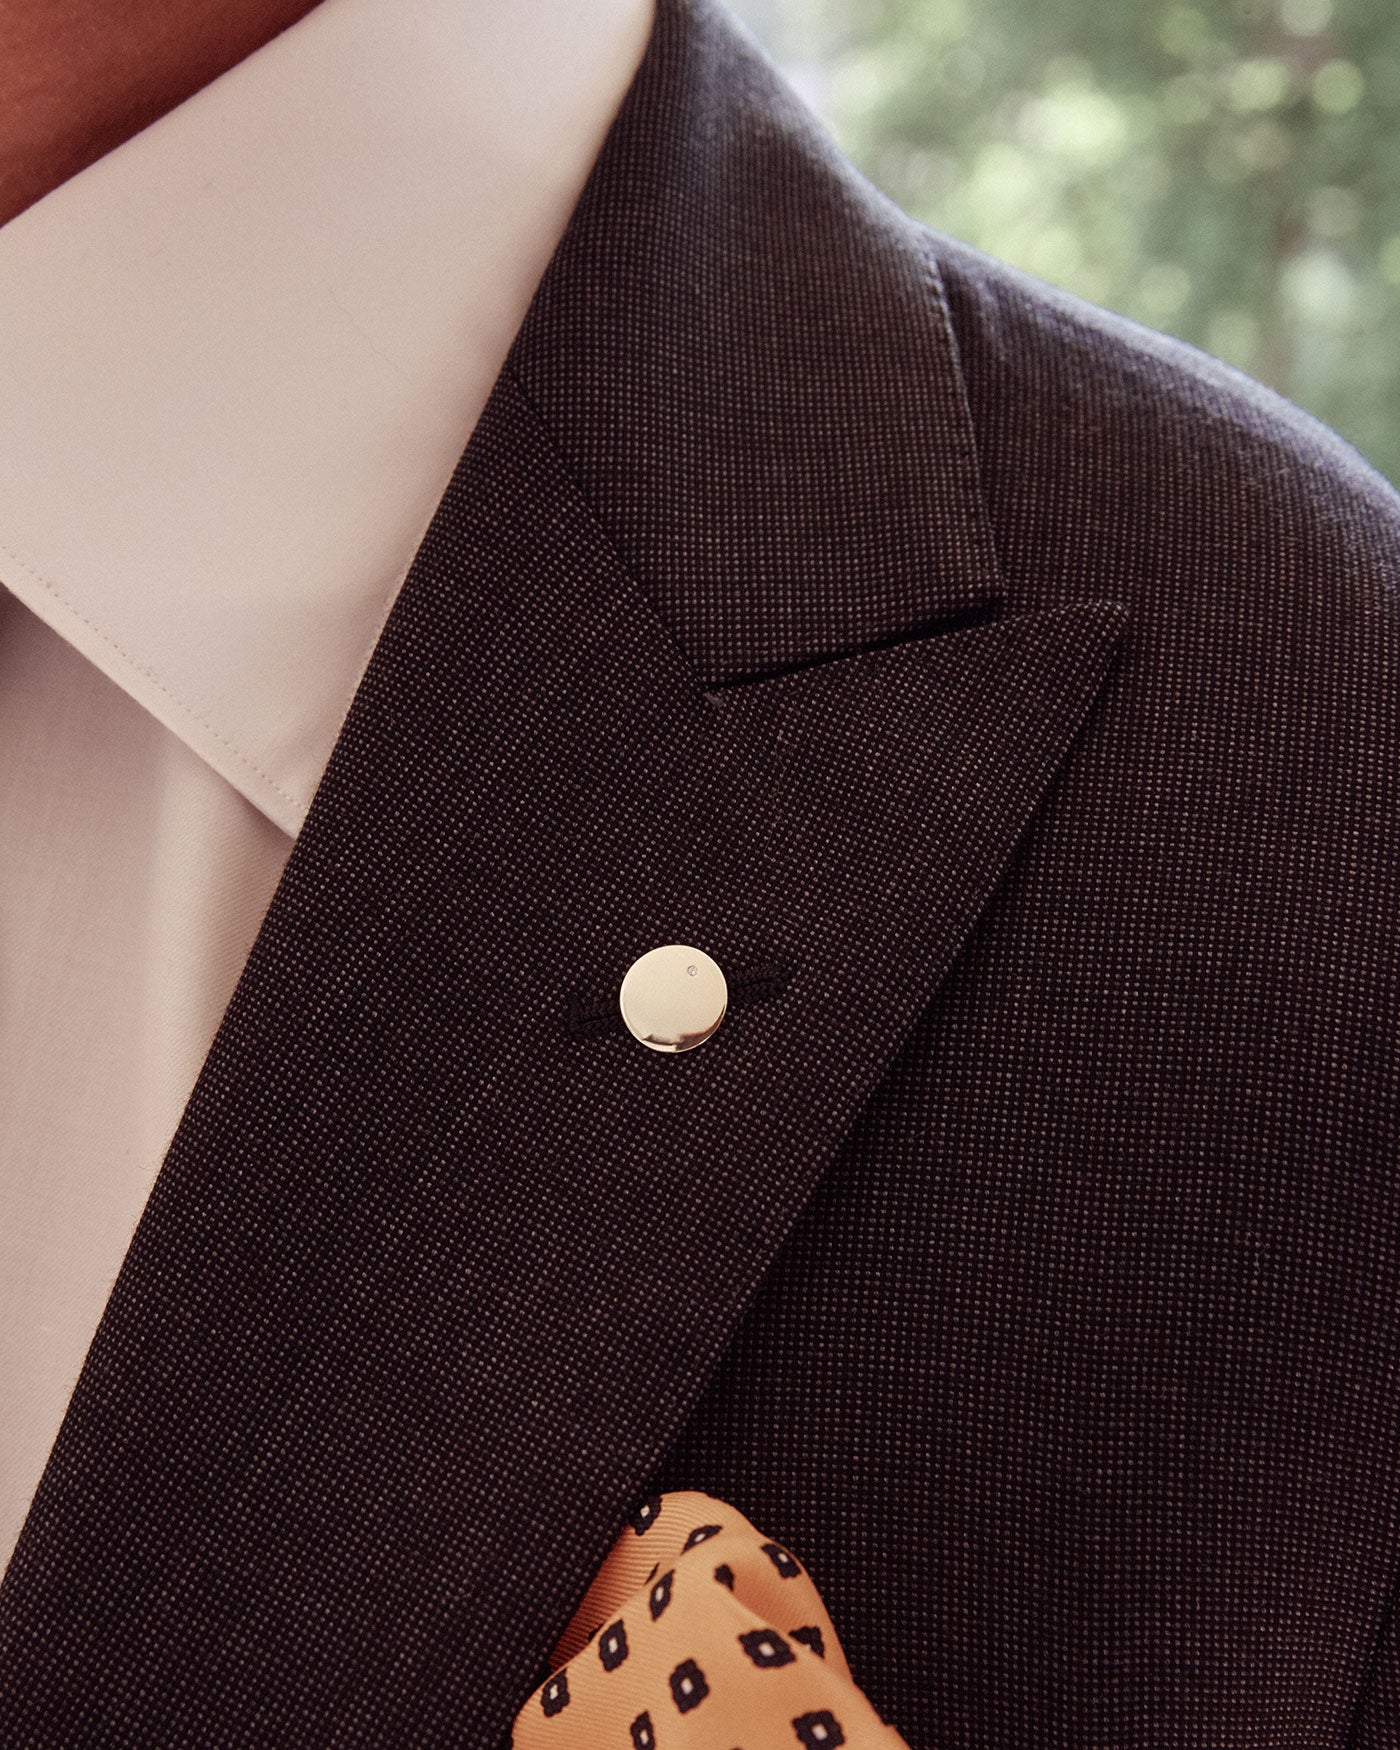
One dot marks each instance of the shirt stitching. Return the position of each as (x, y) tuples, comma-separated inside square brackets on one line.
[(150, 674)]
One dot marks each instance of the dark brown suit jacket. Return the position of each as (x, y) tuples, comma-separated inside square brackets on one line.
[(1007, 698)]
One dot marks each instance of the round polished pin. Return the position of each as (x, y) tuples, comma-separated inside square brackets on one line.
[(673, 997)]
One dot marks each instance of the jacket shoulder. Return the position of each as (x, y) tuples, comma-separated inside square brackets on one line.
[(1164, 456)]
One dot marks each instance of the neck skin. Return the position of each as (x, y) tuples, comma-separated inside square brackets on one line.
[(78, 77)]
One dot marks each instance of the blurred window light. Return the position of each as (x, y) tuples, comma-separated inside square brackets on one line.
[(1338, 87), (1262, 83), (1306, 17), (1185, 32)]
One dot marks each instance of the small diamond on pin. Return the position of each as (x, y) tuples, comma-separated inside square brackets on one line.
[(692, 970)]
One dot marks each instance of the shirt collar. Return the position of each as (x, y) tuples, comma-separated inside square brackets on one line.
[(243, 352)]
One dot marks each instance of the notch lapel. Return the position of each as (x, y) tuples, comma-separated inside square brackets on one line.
[(428, 1281)]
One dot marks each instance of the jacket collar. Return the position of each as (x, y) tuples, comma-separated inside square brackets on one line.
[(429, 1280), (743, 353)]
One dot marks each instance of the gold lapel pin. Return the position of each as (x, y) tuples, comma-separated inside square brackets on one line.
[(673, 997)]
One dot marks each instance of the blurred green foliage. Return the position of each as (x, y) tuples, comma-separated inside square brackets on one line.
[(1228, 172)]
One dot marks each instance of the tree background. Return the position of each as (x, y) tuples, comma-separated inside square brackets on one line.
[(1229, 173)]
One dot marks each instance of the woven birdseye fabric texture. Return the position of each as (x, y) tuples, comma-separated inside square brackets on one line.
[(821, 593)]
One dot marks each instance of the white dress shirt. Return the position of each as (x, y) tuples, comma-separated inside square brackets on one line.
[(239, 358)]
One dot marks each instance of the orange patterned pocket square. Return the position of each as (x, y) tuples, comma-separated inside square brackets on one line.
[(699, 1633)]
